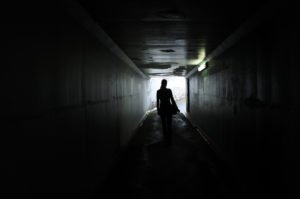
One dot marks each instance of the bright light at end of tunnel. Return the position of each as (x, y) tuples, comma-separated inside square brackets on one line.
[(201, 67), (176, 84)]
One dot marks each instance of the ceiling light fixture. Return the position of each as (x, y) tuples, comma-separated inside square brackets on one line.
[(202, 67)]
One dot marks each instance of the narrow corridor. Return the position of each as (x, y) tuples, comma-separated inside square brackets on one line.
[(77, 81), (187, 168)]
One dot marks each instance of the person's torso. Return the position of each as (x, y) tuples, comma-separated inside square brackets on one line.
[(164, 96)]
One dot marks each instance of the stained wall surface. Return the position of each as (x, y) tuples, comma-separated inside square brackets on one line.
[(246, 105), (69, 104)]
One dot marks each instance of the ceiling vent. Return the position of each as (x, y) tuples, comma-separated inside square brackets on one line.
[(171, 14), (167, 51)]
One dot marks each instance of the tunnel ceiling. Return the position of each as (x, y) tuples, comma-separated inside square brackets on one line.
[(169, 37)]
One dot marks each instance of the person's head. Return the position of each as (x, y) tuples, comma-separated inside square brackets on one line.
[(163, 83)]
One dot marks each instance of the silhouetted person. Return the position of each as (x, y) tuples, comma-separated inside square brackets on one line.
[(164, 103)]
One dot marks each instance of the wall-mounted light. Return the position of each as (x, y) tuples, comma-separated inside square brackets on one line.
[(201, 67)]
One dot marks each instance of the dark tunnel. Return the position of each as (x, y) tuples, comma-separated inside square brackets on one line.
[(78, 119)]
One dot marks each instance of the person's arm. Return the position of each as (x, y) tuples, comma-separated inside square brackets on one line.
[(173, 101), (157, 103)]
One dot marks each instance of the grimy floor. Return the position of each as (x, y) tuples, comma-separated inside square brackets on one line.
[(187, 168)]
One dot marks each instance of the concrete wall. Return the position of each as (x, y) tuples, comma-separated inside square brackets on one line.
[(69, 104), (246, 104)]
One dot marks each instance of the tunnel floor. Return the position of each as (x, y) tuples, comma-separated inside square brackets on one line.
[(186, 168)]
